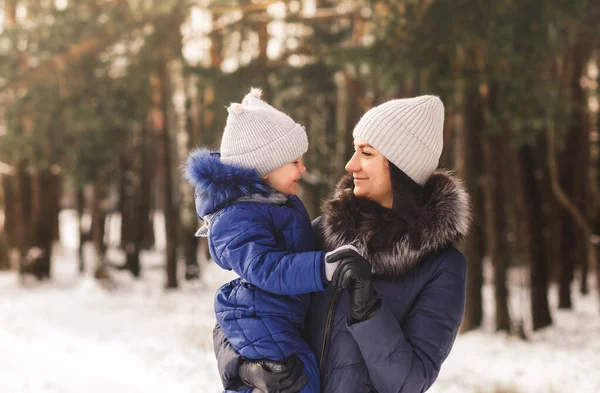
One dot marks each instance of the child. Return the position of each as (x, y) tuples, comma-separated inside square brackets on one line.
[(259, 228)]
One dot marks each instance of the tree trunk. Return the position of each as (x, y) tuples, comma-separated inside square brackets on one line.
[(513, 175), (21, 199), (495, 215), (45, 208), (577, 216), (474, 249), (146, 176), (57, 187), (11, 12), (263, 40), (554, 217), (342, 148), (201, 129), (571, 234), (35, 180), (574, 178), (580, 128), (567, 267), (189, 219), (131, 223), (495, 229), (135, 200), (160, 84), (139, 211), (531, 168), (171, 213), (98, 229), (598, 210), (10, 206), (125, 195), (132, 258), (83, 235), (4, 258), (447, 158)]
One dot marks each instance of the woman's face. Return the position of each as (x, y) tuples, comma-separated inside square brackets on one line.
[(371, 172)]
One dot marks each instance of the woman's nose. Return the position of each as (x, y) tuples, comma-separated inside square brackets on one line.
[(353, 165)]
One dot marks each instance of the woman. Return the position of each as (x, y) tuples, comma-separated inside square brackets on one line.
[(388, 329)]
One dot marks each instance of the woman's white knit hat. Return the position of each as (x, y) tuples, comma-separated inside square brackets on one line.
[(261, 137), (409, 132)]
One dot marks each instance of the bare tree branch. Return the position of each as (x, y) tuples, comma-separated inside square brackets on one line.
[(561, 196)]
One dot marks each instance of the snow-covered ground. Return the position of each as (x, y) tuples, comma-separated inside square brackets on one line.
[(564, 358), (72, 335)]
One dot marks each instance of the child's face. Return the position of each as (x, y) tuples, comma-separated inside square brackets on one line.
[(285, 178)]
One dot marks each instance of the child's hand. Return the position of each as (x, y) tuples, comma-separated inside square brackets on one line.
[(273, 377), (333, 258)]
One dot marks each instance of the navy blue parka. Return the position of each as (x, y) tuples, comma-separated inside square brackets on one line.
[(422, 285)]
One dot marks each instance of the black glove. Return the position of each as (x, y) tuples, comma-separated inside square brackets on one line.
[(354, 274), (364, 301), (334, 259), (350, 265), (272, 377)]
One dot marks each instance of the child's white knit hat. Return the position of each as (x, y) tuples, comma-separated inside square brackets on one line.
[(261, 137)]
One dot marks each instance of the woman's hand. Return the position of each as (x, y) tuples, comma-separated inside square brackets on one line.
[(353, 273), (273, 377)]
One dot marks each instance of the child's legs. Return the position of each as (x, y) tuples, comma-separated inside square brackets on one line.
[(275, 346), (263, 336)]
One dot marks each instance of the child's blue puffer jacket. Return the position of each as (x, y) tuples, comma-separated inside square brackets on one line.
[(266, 238)]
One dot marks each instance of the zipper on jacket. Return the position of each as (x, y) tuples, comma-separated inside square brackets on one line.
[(328, 327)]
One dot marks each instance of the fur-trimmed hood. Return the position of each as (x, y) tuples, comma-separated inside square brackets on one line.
[(217, 184), (381, 236)]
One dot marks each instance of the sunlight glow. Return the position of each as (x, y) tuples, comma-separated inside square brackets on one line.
[(277, 10), (21, 12), (61, 4), (298, 60), (229, 65), (196, 43), (273, 48), (309, 7), (294, 6)]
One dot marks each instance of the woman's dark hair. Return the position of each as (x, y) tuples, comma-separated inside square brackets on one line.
[(408, 204)]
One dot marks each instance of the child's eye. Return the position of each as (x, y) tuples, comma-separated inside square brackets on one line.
[(364, 153)]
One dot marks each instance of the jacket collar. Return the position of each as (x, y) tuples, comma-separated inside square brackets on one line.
[(217, 184), (380, 235)]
